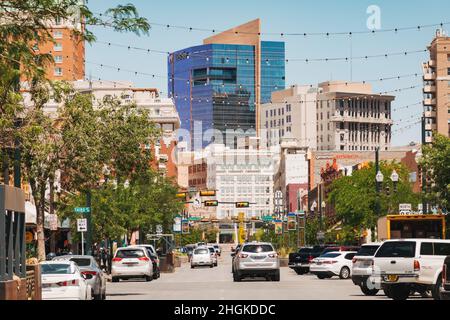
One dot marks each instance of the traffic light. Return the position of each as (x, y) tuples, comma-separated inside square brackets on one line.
[(182, 195), (211, 203), (208, 193), (242, 205)]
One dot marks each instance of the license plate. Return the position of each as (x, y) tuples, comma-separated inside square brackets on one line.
[(258, 257), (392, 278)]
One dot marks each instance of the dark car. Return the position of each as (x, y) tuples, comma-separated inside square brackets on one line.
[(445, 289), (300, 261)]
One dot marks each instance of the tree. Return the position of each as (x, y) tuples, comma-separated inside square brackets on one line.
[(25, 25), (354, 197), (436, 163)]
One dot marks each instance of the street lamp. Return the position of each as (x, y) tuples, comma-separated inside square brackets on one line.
[(395, 178), (380, 179), (419, 156)]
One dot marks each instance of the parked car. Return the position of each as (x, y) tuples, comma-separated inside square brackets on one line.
[(234, 252), (213, 253), (153, 257), (333, 264), (62, 280), (362, 268), (201, 257), (93, 274), (129, 263), (410, 265), (301, 260), (340, 249), (256, 260), (218, 250), (445, 289)]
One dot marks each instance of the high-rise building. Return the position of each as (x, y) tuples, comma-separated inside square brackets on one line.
[(223, 82), (67, 49), (291, 114), (350, 117), (437, 88)]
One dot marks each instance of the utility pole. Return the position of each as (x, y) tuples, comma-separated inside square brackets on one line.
[(89, 223), (424, 173)]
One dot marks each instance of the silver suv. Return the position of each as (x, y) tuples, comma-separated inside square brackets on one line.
[(256, 260)]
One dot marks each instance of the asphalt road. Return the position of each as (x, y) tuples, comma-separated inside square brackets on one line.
[(217, 284)]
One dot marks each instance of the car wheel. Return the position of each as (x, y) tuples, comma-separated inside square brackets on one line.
[(435, 292), (104, 295), (399, 292), (212, 266), (345, 273), (276, 276), (299, 272), (115, 279), (148, 278), (192, 267), (236, 277), (368, 292), (321, 276)]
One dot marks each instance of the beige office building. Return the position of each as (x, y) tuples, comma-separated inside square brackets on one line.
[(350, 117), (436, 87), (290, 115)]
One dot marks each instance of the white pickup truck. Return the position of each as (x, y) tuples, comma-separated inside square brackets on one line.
[(410, 265)]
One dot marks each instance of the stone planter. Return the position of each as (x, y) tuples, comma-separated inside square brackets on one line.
[(177, 262), (183, 259), (284, 262)]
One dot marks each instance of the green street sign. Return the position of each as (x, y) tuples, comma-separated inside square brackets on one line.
[(267, 218), (82, 210)]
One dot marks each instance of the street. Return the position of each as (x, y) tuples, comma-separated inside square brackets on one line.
[(217, 284)]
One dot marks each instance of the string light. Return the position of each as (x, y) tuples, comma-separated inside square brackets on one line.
[(395, 30), (203, 54)]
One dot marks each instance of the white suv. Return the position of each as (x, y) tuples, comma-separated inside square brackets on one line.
[(410, 265), (362, 268), (256, 260)]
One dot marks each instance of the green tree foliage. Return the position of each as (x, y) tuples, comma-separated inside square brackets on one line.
[(436, 162), (354, 197)]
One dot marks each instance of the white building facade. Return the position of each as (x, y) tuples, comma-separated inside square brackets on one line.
[(242, 175)]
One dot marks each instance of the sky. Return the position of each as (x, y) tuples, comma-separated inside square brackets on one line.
[(287, 16)]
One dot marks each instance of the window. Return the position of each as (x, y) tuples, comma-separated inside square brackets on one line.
[(395, 249), (57, 34), (442, 249), (58, 59), (58, 72), (56, 269), (57, 47), (258, 248), (349, 256), (426, 249), (367, 251)]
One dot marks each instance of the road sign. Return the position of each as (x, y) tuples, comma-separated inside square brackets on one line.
[(82, 225), (405, 208), (211, 203), (177, 224), (159, 229), (82, 210), (320, 235)]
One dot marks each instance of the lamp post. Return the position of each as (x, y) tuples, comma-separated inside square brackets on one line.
[(418, 157), (395, 178)]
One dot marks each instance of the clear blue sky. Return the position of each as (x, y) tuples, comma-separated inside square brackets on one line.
[(284, 16)]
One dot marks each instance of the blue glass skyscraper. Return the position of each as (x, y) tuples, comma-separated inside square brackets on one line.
[(221, 83)]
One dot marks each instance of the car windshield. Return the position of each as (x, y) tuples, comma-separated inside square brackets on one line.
[(216, 246), (124, 254), (305, 250), (212, 250), (403, 249), (56, 269), (258, 248), (82, 262), (201, 251), (367, 251), (330, 255)]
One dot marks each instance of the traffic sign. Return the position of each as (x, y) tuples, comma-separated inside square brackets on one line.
[(82, 225), (320, 235), (82, 210)]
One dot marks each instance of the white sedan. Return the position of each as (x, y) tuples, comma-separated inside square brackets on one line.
[(62, 280), (333, 264)]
